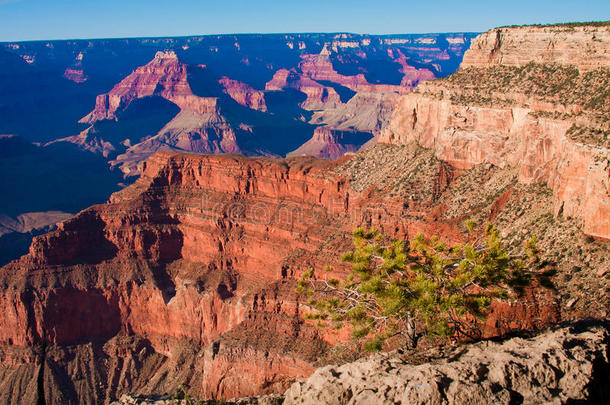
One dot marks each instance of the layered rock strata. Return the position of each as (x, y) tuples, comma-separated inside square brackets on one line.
[(329, 143), (582, 45), (550, 120), (186, 277), (244, 94), (316, 77), (565, 365), (164, 76)]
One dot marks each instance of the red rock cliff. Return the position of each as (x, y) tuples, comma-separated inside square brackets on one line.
[(164, 76), (195, 261), (244, 94), (315, 71)]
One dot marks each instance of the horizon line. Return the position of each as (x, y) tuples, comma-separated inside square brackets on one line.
[(576, 23), (240, 34)]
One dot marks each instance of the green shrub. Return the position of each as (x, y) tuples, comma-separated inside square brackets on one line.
[(394, 286)]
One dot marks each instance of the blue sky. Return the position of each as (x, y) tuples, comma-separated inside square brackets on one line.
[(62, 19)]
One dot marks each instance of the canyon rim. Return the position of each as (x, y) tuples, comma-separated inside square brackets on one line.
[(159, 214)]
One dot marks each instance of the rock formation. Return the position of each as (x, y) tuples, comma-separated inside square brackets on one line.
[(164, 76), (199, 126), (344, 104), (316, 77), (561, 366), (193, 270), (191, 130), (550, 120), (200, 94), (76, 75), (76, 72), (244, 94), (361, 119), (329, 143), (188, 131), (582, 45), (564, 365), (318, 95), (241, 65), (188, 275)]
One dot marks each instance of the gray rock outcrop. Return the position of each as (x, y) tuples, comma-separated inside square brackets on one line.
[(556, 367)]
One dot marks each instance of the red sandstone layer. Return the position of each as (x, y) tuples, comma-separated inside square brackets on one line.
[(201, 252)]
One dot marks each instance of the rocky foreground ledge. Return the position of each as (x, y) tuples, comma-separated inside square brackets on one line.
[(567, 365)]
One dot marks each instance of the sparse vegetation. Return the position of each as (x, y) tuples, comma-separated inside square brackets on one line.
[(587, 135), (401, 170), (551, 82), (181, 395), (555, 91), (564, 25)]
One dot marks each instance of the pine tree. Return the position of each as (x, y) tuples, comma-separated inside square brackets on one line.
[(394, 286)]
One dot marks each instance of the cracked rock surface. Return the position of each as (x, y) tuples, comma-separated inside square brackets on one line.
[(560, 366)]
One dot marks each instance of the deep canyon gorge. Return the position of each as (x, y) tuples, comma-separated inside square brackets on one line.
[(227, 175), (104, 106)]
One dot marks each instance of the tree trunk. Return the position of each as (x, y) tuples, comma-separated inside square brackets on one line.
[(411, 332)]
